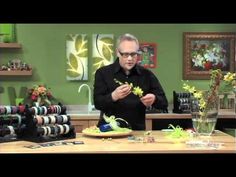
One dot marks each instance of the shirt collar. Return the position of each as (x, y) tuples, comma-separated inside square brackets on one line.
[(118, 68)]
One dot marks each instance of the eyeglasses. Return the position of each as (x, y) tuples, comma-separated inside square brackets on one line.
[(126, 55)]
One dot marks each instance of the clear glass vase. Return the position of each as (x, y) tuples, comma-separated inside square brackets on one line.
[(204, 120)]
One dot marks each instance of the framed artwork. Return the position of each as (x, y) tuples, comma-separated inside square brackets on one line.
[(204, 51), (103, 50), (77, 57), (148, 55)]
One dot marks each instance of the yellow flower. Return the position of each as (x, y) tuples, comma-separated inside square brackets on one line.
[(229, 77), (229, 82), (135, 90), (206, 99), (197, 94), (138, 91)]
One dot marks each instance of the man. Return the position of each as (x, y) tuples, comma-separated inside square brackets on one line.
[(113, 86)]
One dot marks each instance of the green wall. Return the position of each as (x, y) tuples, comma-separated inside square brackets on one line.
[(44, 48)]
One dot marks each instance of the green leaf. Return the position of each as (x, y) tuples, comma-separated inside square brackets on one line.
[(78, 43), (106, 52), (73, 61), (107, 40), (85, 40), (72, 74), (69, 66), (97, 59), (83, 54)]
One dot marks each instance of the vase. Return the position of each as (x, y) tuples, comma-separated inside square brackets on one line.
[(204, 127), (204, 119)]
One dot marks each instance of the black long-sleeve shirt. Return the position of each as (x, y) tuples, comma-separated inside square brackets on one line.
[(129, 108)]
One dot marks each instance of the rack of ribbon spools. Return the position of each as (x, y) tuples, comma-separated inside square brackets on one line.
[(48, 123), (182, 102), (12, 122)]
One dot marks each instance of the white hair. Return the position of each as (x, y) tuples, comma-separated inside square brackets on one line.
[(126, 37)]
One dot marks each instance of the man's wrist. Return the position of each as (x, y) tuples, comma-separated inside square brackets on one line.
[(114, 96)]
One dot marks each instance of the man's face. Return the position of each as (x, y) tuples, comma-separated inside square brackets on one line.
[(127, 53)]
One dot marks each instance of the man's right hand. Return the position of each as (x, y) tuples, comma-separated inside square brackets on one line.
[(121, 92)]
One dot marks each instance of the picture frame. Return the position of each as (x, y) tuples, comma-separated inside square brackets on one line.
[(148, 55), (203, 51)]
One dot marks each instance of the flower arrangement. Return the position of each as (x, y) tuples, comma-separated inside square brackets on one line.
[(40, 94), (204, 105), (135, 90), (229, 83), (206, 99), (209, 56)]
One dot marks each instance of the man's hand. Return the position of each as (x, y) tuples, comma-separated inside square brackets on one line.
[(121, 92), (148, 99)]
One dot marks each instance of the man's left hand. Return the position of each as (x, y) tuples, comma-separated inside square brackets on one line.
[(148, 99)]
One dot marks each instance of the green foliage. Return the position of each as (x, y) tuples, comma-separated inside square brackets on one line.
[(73, 61), (81, 46), (106, 52), (72, 66), (177, 132), (78, 43)]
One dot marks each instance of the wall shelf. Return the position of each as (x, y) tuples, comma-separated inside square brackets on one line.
[(16, 73), (10, 45)]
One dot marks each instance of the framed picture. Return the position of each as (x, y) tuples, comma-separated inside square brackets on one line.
[(148, 56), (77, 57), (205, 51)]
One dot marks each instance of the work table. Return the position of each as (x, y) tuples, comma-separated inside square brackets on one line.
[(96, 145)]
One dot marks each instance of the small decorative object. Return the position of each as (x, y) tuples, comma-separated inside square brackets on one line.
[(177, 134), (6, 38), (9, 32), (204, 105), (16, 65), (40, 95), (148, 138)]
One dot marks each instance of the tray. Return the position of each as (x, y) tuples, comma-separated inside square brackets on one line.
[(107, 134)]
